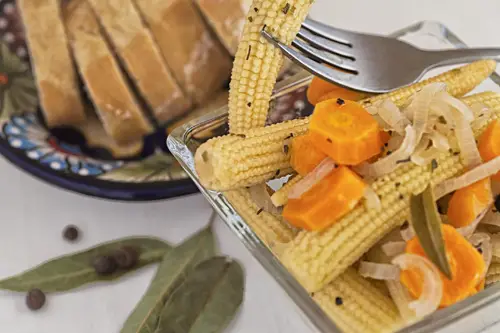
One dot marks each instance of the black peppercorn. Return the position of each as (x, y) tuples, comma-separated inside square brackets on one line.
[(71, 233), (340, 101), (104, 265), (339, 301), (405, 225), (126, 257), (35, 299)]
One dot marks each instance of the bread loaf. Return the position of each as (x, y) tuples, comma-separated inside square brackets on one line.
[(53, 67), (115, 104), (198, 60), (141, 58)]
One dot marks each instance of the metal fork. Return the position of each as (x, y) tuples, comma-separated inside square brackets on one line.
[(369, 63)]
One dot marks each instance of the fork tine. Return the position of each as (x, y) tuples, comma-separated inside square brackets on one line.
[(335, 34), (326, 44), (324, 56), (312, 66)]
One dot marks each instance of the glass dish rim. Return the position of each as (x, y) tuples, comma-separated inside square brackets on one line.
[(176, 143)]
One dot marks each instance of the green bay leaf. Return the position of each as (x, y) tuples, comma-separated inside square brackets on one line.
[(173, 269), (75, 269), (207, 300), (427, 224)]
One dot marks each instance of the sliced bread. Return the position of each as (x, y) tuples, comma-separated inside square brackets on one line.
[(108, 89), (54, 70), (199, 62), (141, 58), (227, 18)]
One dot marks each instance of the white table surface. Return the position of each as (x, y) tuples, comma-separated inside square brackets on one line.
[(34, 213)]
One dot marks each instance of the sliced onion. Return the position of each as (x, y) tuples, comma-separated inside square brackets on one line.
[(321, 171), (420, 107), (432, 289), (492, 218), (378, 271), (262, 198), (469, 230), (439, 141), (495, 244), (392, 249), (391, 114), (482, 171), (456, 104), (407, 233), (466, 142), (402, 299), (483, 241), (389, 163), (441, 109), (372, 199), (426, 156), (395, 142), (482, 115)]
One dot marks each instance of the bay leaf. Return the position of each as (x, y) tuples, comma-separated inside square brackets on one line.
[(427, 224), (207, 300), (173, 269), (74, 270)]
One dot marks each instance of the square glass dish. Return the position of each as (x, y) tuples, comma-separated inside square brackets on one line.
[(289, 101)]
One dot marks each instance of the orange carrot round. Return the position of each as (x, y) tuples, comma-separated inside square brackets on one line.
[(345, 131), (467, 203), (489, 144), (327, 201), (466, 263), (304, 156), (320, 90)]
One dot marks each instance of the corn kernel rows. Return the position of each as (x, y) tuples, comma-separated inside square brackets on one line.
[(268, 227), (493, 274), (356, 306), (257, 62)]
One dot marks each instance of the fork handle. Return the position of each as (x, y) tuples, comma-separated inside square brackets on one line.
[(459, 56)]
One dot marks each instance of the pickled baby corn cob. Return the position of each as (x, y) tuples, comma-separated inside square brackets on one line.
[(356, 306), (488, 98), (316, 258), (268, 227), (239, 160), (256, 155), (257, 62)]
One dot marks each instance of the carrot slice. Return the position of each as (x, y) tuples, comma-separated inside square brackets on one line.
[(468, 202), (489, 144), (327, 201), (466, 263), (320, 90), (345, 131), (304, 156)]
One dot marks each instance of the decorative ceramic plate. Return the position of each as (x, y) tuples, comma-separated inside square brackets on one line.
[(62, 157)]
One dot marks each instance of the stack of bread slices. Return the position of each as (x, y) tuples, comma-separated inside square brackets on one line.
[(141, 63)]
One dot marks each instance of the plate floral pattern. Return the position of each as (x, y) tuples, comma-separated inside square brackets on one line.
[(62, 157)]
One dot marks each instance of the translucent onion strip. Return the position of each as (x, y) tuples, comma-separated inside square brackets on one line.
[(389, 163), (482, 240), (262, 198), (372, 200), (491, 218), (321, 171), (420, 107), (378, 271), (469, 230), (466, 142), (432, 289), (484, 170), (391, 114), (402, 299)]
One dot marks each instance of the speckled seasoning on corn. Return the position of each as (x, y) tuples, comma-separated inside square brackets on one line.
[(242, 160), (317, 258), (356, 306), (268, 227), (257, 62), (255, 155)]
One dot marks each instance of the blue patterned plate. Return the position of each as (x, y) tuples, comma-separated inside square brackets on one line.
[(62, 157)]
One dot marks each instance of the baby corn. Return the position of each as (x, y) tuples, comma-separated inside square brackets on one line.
[(242, 160), (269, 228), (280, 197), (493, 275), (258, 154), (356, 306), (316, 258), (257, 62)]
